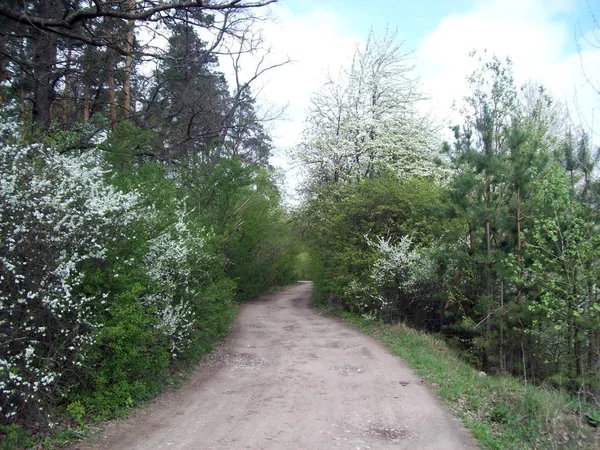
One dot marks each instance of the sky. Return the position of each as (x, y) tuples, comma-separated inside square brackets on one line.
[(549, 41)]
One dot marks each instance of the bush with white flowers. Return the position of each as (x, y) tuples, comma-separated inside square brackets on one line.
[(400, 270), (57, 214), (102, 290), (400, 263), (170, 259)]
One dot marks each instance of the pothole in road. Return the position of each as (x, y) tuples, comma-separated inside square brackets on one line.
[(249, 362), (387, 433), (320, 330), (336, 345), (260, 334), (348, 369)]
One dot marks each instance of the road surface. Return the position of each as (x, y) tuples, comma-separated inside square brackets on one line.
[(291, 377)]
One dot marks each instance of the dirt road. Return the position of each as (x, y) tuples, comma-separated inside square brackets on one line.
[(289, 377)]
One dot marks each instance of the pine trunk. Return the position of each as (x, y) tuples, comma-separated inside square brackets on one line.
[(86, 103), (22, 108), (45, 49), (502, 355), (519, 243), (112, 97), (64, 102), (127, 104)]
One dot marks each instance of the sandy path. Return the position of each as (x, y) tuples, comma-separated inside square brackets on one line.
[(289, 377)]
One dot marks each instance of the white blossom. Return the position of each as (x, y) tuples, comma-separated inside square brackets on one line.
[(368, 118), (170, 257), (57, 212), (399, 264)]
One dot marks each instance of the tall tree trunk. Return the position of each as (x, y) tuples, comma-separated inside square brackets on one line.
[(22, 108), (86, 103), (64, 101), (593, 359), (502, 355), (127, 103), (489, 277), (112, 97), (519, 243), (4, 74), (65, 105), (489, 291), (44, 60), (577, 350)]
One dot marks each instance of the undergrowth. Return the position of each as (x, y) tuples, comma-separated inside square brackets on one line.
[(74, 423)]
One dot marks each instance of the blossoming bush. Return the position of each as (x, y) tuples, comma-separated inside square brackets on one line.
[(169, 298), (57, 215), (178, 266), (113, 273), (404, 281)]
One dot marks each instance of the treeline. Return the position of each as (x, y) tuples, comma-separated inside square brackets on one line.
[(490, 239), (137, 208)]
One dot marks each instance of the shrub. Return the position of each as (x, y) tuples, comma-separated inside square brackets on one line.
[(57, 214)]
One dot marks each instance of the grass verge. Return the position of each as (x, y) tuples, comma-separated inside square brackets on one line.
[(502, 412)]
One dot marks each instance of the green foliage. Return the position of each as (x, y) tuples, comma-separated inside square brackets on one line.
[(13, 437), (303, 269), (341, 220), (255, 233), (502, 257), (593, 417), (77, 411), (522, 287), (129, 359), (198, 237)]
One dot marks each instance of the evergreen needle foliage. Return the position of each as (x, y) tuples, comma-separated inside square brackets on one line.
[(497, 248)]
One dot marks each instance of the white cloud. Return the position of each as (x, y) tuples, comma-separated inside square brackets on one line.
[(530, 32)]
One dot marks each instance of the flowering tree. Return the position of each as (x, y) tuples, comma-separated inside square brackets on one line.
[(401, 275), (368, 118)]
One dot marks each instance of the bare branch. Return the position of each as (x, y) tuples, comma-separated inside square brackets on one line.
[(72, 17)]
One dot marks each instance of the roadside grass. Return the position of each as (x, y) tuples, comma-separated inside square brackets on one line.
[(502, 412)]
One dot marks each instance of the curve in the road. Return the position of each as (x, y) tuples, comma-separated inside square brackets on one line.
[(291, 377)]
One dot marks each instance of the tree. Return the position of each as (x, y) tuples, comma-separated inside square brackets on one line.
[(71, 19), (189, 98), (564, 268), (367, 118), (47, 26)]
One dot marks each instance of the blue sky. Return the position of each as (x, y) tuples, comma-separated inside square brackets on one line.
[(548, 41), (414, 19)]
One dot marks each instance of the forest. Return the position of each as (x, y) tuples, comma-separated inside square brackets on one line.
[(139, 208), (490, 239)]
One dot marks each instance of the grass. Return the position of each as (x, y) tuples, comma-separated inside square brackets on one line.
[(502, 412)]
